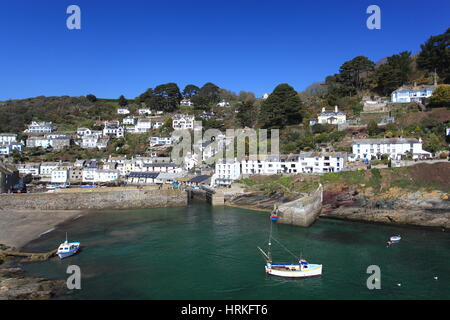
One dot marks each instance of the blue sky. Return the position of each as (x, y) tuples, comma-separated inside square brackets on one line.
[(125, 47)]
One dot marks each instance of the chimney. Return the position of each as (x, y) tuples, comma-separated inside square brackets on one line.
[(335, 108)]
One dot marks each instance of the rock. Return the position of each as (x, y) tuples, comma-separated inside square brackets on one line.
[(16, 285)]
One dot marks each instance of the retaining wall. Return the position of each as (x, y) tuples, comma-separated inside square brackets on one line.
[(113, 199)]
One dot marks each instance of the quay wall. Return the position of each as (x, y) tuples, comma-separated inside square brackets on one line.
[(94, 200), (302, 212)]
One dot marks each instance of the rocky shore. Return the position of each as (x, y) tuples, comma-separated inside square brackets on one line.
[(394, 206), (15, 284), (17, 228)]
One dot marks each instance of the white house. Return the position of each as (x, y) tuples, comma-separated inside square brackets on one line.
[(89, 141), (113, 129), (165, 141), (226, 171), (143, 125), (161, 167), (223, 103), (7, 138), (5, 149), (123, 111), (81, 132), (157, 125), (186, 103), (60, 176), (94, 141), (146, 111), (105, 175), (29, 168), (332, 117), (39, 142), (8, 148), (395, 148), (40, 127), (141, 178), (305, 162), (182, 122), (129, 120), (46, 169), (414, 93)]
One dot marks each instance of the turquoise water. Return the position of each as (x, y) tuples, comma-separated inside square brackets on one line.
[(203, 252)]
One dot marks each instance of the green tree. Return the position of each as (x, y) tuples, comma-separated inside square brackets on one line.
[(401, 63), (281, 108), (246, 113), (435, 55), (190, 90), (387, 79), (122, 101), (352, 73), (441, 96), (91, 97), (169, 97), (372, 128)]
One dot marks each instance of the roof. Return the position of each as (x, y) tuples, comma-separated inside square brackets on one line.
[(183, 179), (169, 176), (7, 169), (386, 140), (331, 113), (416, 88), (148, 175), (161, 164), (199, 179)]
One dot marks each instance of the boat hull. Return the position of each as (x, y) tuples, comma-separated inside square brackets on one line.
[(313, 270), (74, 247)]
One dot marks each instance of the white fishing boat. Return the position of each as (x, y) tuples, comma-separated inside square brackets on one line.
[(395, 238), (302, 269), (67, 249)]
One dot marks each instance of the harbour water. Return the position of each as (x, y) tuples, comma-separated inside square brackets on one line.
[(204, 252)]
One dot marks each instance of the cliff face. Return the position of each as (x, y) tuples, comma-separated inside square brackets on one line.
[(395, 205)]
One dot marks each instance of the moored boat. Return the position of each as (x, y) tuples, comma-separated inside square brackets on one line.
[(301, 270), (67, 249), (395, 238)]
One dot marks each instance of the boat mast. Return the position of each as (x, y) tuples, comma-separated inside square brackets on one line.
[(270, 245)]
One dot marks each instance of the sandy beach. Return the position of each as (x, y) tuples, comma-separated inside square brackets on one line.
[(18, 227)]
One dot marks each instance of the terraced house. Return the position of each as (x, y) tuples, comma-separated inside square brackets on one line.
[(395, 148)]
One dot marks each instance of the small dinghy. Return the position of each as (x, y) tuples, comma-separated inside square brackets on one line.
[(67, 249), (395, 239)]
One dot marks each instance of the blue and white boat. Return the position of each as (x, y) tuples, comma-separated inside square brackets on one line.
[(67, 249), (303, 269)]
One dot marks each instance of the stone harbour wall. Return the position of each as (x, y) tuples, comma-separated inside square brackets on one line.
[(94, 200), (302, 212)]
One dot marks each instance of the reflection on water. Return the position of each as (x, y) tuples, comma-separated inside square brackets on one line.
[(203, 252)]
